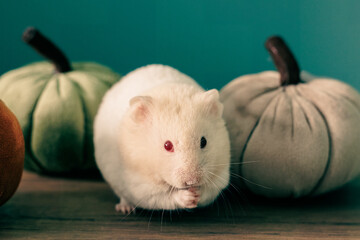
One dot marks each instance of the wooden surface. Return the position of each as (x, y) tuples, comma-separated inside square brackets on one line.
[(55, 208)]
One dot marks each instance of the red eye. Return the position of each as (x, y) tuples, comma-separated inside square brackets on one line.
[(169, 146)]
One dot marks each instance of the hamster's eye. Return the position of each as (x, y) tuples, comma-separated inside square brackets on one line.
[(169, 146), (203, 142)]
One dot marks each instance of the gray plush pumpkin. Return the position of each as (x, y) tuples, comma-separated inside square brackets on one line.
[(55, 104), (292, 136)]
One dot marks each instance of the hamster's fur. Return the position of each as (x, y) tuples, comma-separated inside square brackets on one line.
[(149, 106)]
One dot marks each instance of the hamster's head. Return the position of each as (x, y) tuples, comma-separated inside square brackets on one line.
[(178, 139)]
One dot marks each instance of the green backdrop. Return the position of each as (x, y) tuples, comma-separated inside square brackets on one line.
[(213, 41)]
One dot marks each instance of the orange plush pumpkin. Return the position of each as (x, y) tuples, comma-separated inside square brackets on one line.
[(12, 153)]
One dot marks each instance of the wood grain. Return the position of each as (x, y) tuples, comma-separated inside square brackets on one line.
[(55, 208)]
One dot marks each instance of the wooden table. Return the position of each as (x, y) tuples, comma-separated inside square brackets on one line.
[(55, 208)]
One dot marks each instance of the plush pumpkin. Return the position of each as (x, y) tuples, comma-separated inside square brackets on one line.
[(291, 135), (12, 151), (55, 104)]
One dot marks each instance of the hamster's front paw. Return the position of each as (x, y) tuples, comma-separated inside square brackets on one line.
[(188, 198), (124, 207)]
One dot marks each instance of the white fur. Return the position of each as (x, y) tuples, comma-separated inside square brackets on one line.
[(129, 141)]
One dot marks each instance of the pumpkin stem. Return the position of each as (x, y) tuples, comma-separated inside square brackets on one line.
[(47, 49), (284, 61)]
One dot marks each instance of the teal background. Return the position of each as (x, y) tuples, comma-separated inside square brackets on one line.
[(213, 41)]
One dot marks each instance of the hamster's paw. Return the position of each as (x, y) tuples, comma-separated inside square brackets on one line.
[(188, 198), (124, 207)]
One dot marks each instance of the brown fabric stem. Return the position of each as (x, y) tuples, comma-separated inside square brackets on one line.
[(47, 49), (284, 60)]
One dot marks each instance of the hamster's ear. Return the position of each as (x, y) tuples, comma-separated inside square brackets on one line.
[(140, 108), (213, 106)]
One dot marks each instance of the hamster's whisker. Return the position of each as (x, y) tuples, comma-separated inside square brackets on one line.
[(240, 163), (170, 215), (251, 182), (234, 195), (226, 201), (206, 182), (223, 180), (208, 179), (202, 163), (213, 183), (239, 193), (134, 209), (153, 209), (232, 185), (172, 190), (217, 176), (162, 216), (152, 212)]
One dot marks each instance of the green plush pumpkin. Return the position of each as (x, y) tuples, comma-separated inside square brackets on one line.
[(55, 104)]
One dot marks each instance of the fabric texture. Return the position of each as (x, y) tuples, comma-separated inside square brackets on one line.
[(295, 140), (56, 112)]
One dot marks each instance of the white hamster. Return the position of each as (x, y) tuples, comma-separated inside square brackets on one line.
[(160, 141)]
